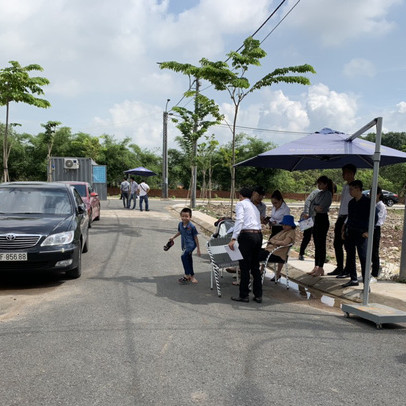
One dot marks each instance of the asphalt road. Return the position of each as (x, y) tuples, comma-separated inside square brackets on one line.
[(126, 333)]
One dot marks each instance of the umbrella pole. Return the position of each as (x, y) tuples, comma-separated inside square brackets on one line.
[(371, 225), (379, 314)]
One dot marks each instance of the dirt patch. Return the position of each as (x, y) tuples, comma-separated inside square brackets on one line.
[(391, 236), (19, 295)]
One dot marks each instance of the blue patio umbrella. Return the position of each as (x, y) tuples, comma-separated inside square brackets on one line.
[(141, 171), (325, 149)]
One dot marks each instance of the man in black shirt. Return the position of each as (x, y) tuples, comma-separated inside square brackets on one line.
[(355, 231)]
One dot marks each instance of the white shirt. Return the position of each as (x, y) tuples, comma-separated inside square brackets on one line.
[(345, 199), (143, 188), (382, 212), (277, 214), (246, 217), (125, 186), (134, 187)]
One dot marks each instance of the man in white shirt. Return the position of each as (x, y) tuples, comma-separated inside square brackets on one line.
[(381, 214), (349, 172), (247, 230), (143, 190)]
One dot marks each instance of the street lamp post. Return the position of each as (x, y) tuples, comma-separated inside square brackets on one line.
[(165, 153)]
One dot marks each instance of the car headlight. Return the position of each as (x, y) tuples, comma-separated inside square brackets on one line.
[(58, 239)]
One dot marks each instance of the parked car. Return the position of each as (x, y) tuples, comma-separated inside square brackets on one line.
[(90, 198), (43, 226), (389, 198)]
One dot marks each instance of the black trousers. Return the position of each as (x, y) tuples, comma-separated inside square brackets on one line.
[(354, 242), (320, 228), (125, 198), (339, 242), (375, 251), (250, 247), (307, 236)]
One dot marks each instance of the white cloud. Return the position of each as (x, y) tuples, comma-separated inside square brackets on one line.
[(328, 108), (68, 88), (336, 21), (401, 107), (100, 55), (394, 119), (139, 121), (281, 113), (359, 67)]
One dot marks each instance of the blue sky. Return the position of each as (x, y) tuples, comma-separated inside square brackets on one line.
[(101, 58)]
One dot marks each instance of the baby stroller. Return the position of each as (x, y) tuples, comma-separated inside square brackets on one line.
[(224, 227), (219, 259)]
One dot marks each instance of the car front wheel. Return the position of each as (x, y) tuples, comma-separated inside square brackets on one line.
[(390, 202), (76, 272)]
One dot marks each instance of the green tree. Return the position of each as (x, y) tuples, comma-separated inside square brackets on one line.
[(117, 156), (49, 136), (194, 124), (205, 155), (16, 85), (178, 169), (233, 80)]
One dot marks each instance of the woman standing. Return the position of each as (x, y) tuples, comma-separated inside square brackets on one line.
[(321, 205), (307, 234), (279, 210)]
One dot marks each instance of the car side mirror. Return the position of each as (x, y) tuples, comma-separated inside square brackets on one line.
[(81, 209), (94, 194)]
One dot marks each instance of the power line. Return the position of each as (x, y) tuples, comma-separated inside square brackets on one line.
[(277, 25), (269, 17), (252, 35), (263, 129)]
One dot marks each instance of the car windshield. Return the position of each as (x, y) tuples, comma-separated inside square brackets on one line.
[(81, 189), (15, 200)]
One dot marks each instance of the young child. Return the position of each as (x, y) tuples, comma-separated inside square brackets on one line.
[(189, 242)]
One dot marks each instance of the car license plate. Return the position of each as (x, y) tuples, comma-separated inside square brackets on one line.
[(13, 256)]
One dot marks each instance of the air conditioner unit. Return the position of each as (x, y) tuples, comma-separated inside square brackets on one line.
[(71, 163)]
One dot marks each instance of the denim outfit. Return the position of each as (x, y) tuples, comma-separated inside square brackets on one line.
[(133, 194), (125, 187), (188, 244)]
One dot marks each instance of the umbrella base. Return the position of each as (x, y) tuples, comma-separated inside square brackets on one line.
[(377, 313)]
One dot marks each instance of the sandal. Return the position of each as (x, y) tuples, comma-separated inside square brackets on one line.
[(183, 280), (235, 283)]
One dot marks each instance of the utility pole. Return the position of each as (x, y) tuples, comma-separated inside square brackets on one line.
[(165, 153), (194, 167)]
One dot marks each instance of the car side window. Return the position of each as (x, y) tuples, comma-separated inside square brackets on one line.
[(78, 199)]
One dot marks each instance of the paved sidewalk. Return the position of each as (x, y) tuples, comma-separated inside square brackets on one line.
[(387, 293)]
